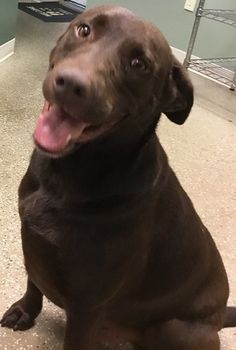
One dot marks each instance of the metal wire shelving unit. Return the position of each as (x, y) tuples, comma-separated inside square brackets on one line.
[(212, 67)]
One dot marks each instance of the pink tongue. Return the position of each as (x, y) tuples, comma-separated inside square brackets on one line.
[(55, 128)]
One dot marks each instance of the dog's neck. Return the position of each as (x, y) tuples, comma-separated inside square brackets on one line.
[(128, 161)]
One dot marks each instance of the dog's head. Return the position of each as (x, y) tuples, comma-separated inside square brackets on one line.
[(109, 67)]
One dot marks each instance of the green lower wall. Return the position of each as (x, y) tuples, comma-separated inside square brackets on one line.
[(8, 13), (214, 39)]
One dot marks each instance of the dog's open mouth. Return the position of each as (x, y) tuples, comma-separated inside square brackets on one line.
[(56, 130)]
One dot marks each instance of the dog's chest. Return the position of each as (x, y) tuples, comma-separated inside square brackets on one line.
[(66, 249)]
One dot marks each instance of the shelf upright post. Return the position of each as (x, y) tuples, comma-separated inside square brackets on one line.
[(233, 86), (194, 33)]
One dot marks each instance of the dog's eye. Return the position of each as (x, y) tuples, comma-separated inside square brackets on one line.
[(138, 63), (83, 30), (51, 66)]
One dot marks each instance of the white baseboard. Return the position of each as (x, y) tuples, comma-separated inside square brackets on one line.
[(180, 54), (7, 49)]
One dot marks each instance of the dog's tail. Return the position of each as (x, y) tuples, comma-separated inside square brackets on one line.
[(230, 318)]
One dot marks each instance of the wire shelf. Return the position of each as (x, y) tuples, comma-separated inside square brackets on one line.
[(210, 67), (223, 16)]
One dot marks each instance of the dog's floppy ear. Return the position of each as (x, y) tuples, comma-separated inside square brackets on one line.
[(178, 94)]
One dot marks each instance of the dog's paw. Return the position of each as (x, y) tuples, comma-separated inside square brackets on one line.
[(16, 318)]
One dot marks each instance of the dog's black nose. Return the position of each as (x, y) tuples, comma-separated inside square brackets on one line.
[(69, 83)]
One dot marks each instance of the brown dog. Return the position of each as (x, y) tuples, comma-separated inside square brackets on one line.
[(108, 232)]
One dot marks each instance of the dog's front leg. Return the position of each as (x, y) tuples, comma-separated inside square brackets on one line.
[(21, 315), (79, 332)]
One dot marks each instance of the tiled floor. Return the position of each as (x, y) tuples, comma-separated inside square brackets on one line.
[(203, 153)]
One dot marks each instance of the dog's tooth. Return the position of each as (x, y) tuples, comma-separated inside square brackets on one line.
[(69, 137)]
